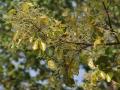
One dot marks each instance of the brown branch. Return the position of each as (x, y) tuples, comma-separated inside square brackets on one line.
[(90, 44), (30, 21), (109, 21), (108, 16)]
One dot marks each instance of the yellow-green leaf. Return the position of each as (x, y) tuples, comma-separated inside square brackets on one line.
[(51, 65), (36, 45), (97, 41), (109, 77), (103, 75), (25, 6), (12, 11), (91, 64), (42, 46), (31, 39), (44, 19)]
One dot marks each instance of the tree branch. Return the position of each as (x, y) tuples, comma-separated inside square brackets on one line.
[(109, 21), (90, 44)]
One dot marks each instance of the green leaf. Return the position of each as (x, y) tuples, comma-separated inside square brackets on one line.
[(109, 76)]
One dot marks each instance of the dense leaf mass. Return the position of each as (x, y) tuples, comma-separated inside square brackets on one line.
[(54, 37)]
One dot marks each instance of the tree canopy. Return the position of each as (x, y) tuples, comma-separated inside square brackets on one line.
[(55, 37)]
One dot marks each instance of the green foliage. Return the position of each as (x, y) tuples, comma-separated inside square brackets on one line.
[(65, 36)]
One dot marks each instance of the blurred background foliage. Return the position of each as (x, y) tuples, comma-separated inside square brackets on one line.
[(86, 32)]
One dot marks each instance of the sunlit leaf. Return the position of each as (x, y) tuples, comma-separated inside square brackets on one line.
[(97, 41), (25, 6), (36, 45), (31, 39), (109, 76), (44, 19), (52, 65), (103, 75), (42, 46), (91, 64)]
